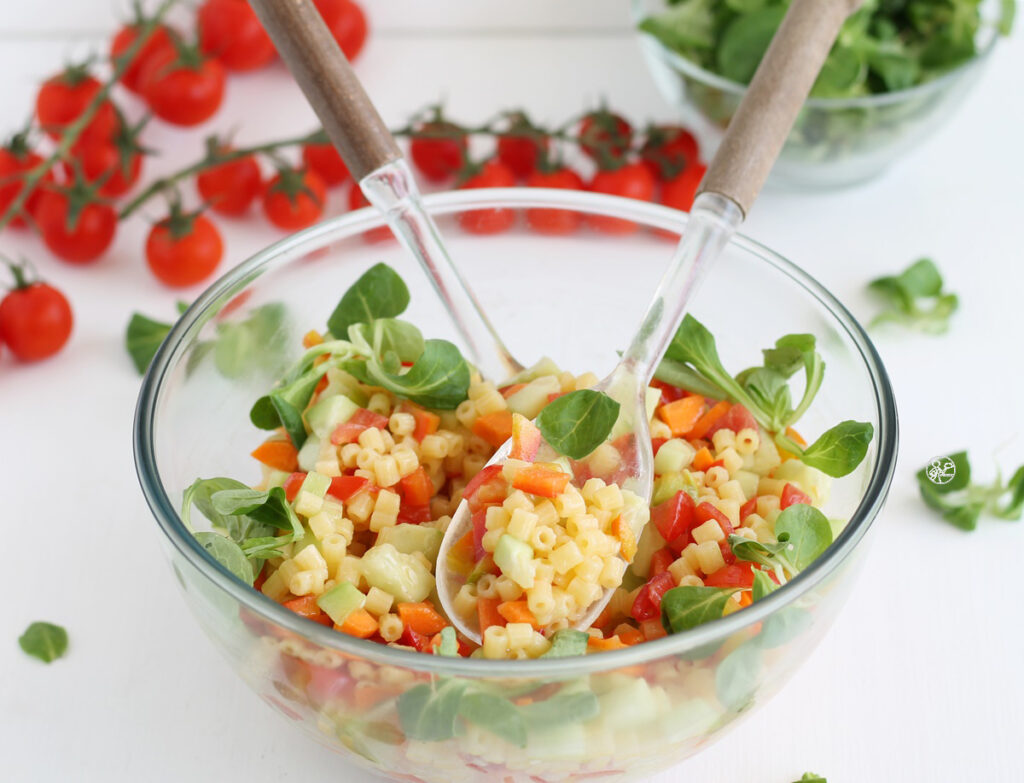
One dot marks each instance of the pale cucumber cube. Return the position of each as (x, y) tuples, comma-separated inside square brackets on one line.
[(515, 559), (652, 398), (811, 480), (674, 456), (545, 366), (309, 453), (408, 539), (531, 399), (402, 575), (328, 413), (316, 484), (628, 706), (340, 601)]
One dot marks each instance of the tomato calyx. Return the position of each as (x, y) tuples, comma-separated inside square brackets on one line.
[(80, 193), (75, 73), (187, 56), (655, 150), (19, 271), (179, 223), (126, 142), (19, 143), (292, 183), (606, 137)]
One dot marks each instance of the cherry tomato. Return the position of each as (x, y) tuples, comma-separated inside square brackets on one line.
[(35, 320), (325, 161), (83, 241), (356, 200), (183, 89), (294, 199), (62, 98), (633, 180), (554, 221), (347, 24), (158, 40), (493, 174), (680, 191), (230, 188), (15, 160), (520, 150), (98, 158), (230, 31), (439, 159), (669, 149), (604, 134), (183, 250)]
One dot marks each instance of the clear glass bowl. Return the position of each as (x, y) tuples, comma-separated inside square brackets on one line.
[(835, 141), (621, 715)]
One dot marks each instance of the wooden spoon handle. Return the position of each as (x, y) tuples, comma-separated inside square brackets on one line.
[(771, 103), (332, 88)]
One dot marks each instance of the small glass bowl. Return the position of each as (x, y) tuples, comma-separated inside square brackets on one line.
[(620, 715), (835, 142)]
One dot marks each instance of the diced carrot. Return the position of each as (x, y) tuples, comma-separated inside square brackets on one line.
[(703, 459), (292, 484), (278, 454), (359, 623), (602, 619), (682, 415), (422, 617), (487, 612), (495, 428), (417, 489), (323, 383), (517, 612), (652, 629), (508, 391), (746, 599), (321, 359), (627, 539), (541, 481), (370, 694), (705, 422), (311, 338), (792, 434), (611, 643), (427, 422), (629, 635)]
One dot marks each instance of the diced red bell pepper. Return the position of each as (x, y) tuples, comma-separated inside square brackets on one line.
[(648, 601), (292, 484), (363, 419), (674, 517), (344, 487), (791, 496), (669, 393), (416, 489), (479, 528), (735, 575), (327, 685), (661, 560), (413, 515), (736, 418), (748, 508), (727, 554), (526, 439), (413, 639), (541, 481), (487, 486), (307, 607), (657, 443)]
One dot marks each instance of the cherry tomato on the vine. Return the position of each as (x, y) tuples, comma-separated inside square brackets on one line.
[(230, 31), (183, 87), (668, 149), (680, 191), (554, 221), (62, 99), (441, 152), (14, 161), (521, 146), (605, 136), (294, 199), (97, 159), (633, 180), (78, 238), (35, 319), (183, 250), (158, 40), (347, 24), (493, 174), (230, 188), (356, 200), (325, 161)]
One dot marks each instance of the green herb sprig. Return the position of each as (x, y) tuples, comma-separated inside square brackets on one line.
[(915, 298), (960, 501), (44, 641)]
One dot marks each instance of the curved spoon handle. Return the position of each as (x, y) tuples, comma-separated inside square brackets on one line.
[(771, 103), (329, 84)]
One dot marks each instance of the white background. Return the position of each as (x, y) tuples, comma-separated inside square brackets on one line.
[(921, 678)]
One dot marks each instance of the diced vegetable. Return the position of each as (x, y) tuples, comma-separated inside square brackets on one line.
[(340, 601)]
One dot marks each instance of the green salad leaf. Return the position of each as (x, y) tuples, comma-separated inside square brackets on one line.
[(228, 554), (683, 608), (439, 378), (838, 450), (44, 641), (144, 336), (945, 486), (564, 708), (810, 777), (429, 711), (379, 293), (578, 422), (270, 507), (737, 676), (915, 298), (495, 714), (567, 642)]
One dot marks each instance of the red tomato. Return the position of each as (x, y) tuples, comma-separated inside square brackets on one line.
[(292, 485), (83, 241), (350, 430), (15, 160), (97, 159), (294, 199), (705, 511), (647, 604), (748, 508), (680, 191), (736, 575), (35, 320), (356, 200), (183, 250), (661, 560), (669, 393), (668, 150), (791, 496), (439, 158), (493, 174), (605, 136), (631, 181), (230, 31), (554, 221), (62, 98), (413, 515), (347, 24), (230, 188), (325, 161), (520, 152), (159, 39), (674, 517), (737, 418), (183, 88), (344, 487)]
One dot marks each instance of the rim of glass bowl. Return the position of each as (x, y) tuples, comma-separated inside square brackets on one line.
[(987, 31), (651, 215)]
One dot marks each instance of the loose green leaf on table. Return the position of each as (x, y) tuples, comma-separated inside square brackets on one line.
[(44, 641), (683, 608), (945, 486), (578, 422), (144, 336), (379, 293), (915, 298), (567, 642), (810, 777)]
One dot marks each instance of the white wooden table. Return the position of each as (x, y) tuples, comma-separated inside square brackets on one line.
[(921, 679)]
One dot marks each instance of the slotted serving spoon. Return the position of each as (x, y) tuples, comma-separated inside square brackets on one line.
[(735, 175)]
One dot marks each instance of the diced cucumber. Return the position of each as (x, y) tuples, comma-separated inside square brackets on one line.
[(531, 399), (674, 456), (340, 601), (515, 559), (630, 705), (691, 718), (545, 366), (748, 482), (309, 453), (328, 413), (276, 478), (408, 539), (341, 382), (652, 397), (666, 486), (810, 480), (567, 741), (404, 576), (316, 484)]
